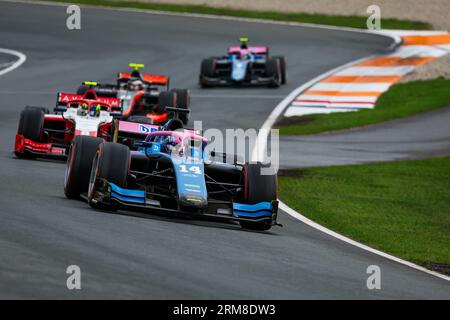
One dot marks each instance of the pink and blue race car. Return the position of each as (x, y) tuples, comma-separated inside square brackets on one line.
[(171, 172), (244, 65)]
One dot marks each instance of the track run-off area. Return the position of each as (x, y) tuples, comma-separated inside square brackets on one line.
[(129, 255)]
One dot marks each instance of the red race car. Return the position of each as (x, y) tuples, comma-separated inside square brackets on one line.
[(143, 96), (43, 134)]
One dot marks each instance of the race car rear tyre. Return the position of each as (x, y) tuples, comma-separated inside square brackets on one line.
[(166, 99), (282, 61), (107, 90), (168, 84), (183, 102), (272, 69), (112, 163), (79, 163), (82, 89), (258, 188), (139, 119)]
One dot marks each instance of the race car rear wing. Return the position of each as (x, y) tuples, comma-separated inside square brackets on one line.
[(151, 78), (253, 50), (63, 99)]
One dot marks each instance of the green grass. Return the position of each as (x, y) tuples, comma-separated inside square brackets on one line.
[(341, 21), (401, 100), (398, 207)]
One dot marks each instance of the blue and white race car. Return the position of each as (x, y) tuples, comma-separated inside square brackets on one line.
[(172, 172), (244, 65)]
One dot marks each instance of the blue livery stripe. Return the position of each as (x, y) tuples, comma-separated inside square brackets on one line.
[(127, 199), (252, 207), (127, 192), (261, 209), (253, 214)]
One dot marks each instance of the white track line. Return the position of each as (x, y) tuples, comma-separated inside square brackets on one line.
[(336, 235), (337, 98), (376, 71), (350, 86), (15, 64), (280, 108), (319, 109)]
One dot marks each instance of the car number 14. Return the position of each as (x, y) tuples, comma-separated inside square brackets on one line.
[(191, 169)]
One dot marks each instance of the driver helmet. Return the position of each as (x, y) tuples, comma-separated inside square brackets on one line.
[(95, 111), (82, 111), (136, 84), (170, 143), (135, 74), (169, 140)]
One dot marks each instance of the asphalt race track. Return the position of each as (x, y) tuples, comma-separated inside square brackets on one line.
[(5, 60), (129, 256)]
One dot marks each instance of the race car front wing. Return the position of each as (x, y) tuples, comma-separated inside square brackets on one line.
[(23, 145), (129, 198), (227, 81)]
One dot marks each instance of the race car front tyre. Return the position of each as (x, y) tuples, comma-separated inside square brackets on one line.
[(43, 109), (79, 163), (111, 163), (282, 61), (31, 126), (272, 70), (258, 188), (207, 69), (183, 102), (166, 99)]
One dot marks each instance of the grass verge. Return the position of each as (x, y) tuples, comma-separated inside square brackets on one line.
[(400, 207), (341, 21), (401, 100)]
